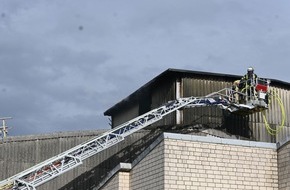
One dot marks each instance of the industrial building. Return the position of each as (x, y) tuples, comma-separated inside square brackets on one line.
[(173, 84), (191, 148)]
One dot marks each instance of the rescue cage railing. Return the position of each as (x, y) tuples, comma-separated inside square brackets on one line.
[(253, 88), (55, 166)]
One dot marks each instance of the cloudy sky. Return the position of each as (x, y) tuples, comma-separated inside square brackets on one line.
[(65, 62)]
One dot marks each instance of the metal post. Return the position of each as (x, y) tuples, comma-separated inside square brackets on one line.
[(4, 128), (178, 95)]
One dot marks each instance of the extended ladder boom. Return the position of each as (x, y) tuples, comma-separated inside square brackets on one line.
[(55, 166), (68, 160)]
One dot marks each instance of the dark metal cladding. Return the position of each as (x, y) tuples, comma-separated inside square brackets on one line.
[(20, 153), (173, 83)]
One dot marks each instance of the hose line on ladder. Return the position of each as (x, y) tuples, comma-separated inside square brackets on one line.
[(271, 130)]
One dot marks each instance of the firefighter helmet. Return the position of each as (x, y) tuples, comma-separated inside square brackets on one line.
[(250, 69)]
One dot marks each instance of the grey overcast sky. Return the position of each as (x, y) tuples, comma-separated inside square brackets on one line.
[(64, 62)]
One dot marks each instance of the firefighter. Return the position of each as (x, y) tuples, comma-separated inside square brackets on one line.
[(247, 83), (235, 88)]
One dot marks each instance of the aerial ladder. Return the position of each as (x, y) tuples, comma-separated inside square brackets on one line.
[(239, 102)]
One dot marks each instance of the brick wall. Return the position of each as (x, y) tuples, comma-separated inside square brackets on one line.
[(284, 166), (124, 181), (194, 162), (203, 165)]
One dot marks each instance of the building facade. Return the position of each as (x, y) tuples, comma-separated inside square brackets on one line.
[(20, 153), (169, 161), (173, 84), (239, 154)]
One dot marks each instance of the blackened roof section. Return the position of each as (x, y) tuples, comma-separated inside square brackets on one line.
[(172, 74)]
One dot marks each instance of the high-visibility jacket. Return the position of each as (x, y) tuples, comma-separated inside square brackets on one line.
[(246, 77), (247, 80)]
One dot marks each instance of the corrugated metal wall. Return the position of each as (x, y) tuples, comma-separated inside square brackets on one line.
[(273, 116), (20, 153), (249, 126), (208, 116), (252, 126), (125, 115), (161, 95)]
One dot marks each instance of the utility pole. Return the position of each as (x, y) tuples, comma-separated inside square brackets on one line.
[(4, 128)]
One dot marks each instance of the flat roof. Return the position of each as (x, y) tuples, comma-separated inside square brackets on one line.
[(217, 140)]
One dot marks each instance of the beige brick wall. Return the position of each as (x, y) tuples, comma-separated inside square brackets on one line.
[(181, 162), (120, 181), (202, 165), (149, 172), (284, 166), (124, 180)]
